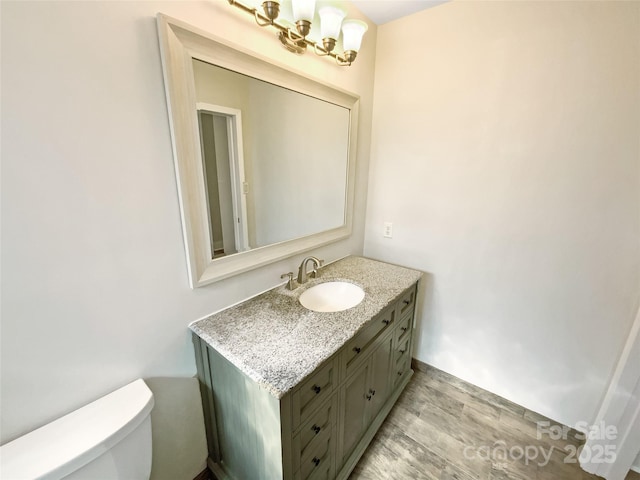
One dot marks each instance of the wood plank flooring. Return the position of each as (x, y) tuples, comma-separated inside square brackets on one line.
[(445, 429)]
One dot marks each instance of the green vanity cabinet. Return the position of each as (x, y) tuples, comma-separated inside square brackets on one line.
[(320, 428), (363, 395), (353, 412)]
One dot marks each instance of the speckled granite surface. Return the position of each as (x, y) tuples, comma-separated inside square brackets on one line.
[(277, 342)]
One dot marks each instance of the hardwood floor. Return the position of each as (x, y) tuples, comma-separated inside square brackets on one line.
[(445, 429)]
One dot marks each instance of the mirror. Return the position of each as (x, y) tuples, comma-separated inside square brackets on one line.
[(270, 177), (264, 158)]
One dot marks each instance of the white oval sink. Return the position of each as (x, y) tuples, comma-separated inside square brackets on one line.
[(332, 297)]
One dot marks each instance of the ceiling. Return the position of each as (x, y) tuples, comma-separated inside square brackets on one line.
[(383, 11)]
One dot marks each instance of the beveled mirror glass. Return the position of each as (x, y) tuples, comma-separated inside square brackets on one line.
[(264, 157)]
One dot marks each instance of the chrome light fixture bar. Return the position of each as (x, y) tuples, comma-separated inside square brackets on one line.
[(331, 19)]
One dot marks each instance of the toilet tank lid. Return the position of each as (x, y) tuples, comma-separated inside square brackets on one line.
[(70, 442)]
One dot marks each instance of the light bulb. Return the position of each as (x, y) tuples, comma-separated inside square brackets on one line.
[(303, 10), (330, 21), (353, 31)]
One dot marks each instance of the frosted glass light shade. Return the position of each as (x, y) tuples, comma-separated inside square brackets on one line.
[(353, 31), (303, 10), (330, 21)]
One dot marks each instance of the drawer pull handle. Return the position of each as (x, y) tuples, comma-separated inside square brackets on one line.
[(386, 322), (399, 374), (316, 429), (368, 396), (372, 392), (402, 352), (404, 329), (316, 461), (357, 349), (316, 389), (406, 302)]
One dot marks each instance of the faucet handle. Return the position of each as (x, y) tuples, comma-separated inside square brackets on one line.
[(315, 272), (290, 285)]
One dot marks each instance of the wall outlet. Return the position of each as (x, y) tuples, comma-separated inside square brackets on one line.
[(387, 231)]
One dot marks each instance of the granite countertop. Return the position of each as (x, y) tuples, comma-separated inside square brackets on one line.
[(277, 342)]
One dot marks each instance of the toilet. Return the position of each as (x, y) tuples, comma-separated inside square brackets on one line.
[(107, 439)]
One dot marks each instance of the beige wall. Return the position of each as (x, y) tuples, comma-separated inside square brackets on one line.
[(94, 280), (505, 151)]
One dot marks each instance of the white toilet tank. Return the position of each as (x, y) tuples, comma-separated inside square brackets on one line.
[(108, 439)]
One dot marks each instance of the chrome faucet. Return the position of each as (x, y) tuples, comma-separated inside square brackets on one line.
[(302, 271)]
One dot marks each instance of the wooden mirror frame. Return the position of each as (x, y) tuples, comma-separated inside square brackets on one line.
[(179, 44)]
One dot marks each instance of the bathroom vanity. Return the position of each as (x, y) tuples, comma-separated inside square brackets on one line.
[(290, 393)]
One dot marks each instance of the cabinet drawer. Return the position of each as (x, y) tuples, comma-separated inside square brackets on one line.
[(318, 461), (402, 350), (312, 432), (315, 390), (406, 302), (322, 473), (403, 330), (358, 346), (400, 369)]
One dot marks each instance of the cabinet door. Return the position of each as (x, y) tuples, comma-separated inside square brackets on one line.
[(379, 390), (355, 401)]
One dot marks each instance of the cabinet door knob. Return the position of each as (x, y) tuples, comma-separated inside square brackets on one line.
[(316, 461), (357, 349), (316, 429), (368, 396), (386, 321), (399, 374), (316, 389), (406, 302), (404, 329), (372, 392), (402, 352)]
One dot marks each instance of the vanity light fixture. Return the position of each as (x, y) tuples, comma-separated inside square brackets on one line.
[(296, 41)]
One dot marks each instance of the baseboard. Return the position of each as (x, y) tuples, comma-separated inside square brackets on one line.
[(217, 472), (420, 366), (205, 474)]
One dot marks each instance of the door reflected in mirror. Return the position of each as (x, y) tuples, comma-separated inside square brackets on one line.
[(223, 166), (275, 160)]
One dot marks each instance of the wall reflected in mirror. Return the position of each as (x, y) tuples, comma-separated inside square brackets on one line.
[(275, 160)]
